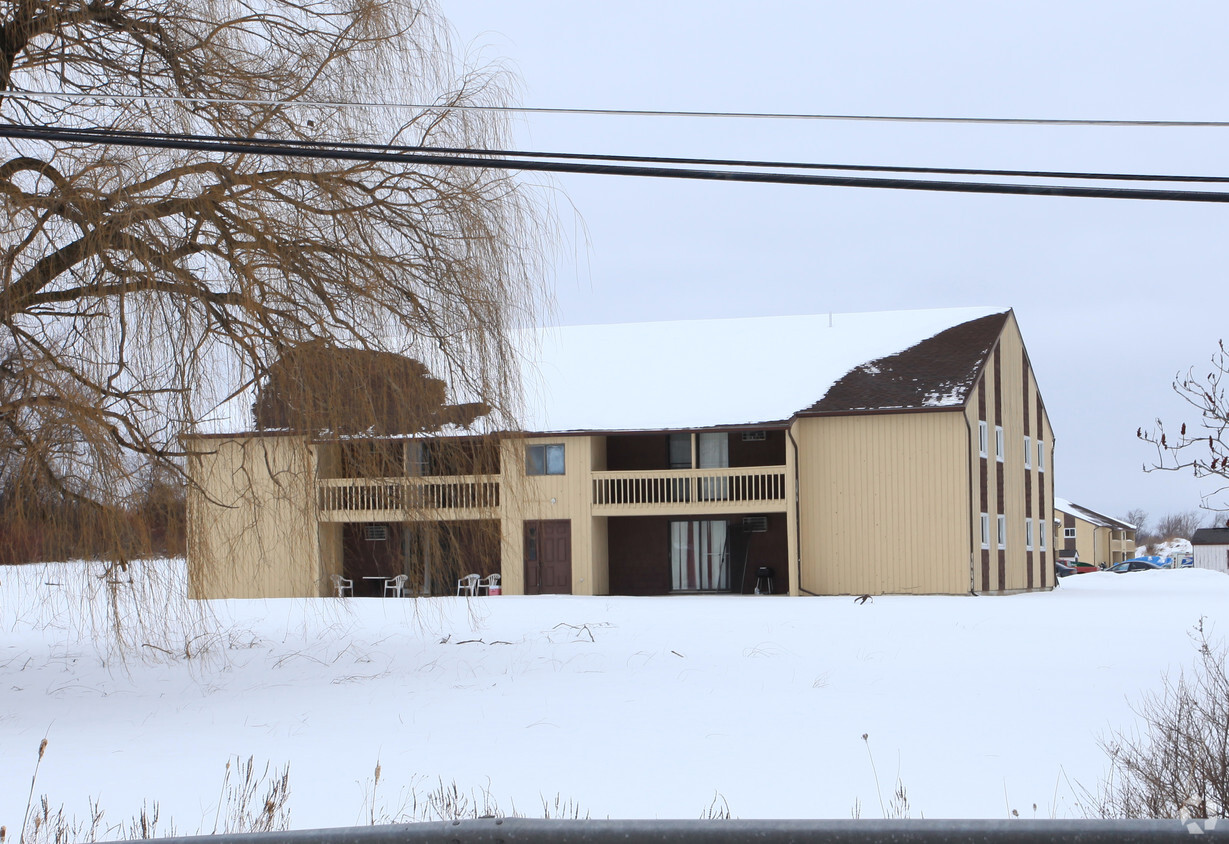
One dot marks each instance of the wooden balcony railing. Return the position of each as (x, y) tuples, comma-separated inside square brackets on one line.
[(458, 496), (679, 490)]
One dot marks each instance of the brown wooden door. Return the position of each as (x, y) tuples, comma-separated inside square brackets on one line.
[(548, 557)]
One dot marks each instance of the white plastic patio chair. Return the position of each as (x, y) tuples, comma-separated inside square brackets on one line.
[(489, 583), (343, 585), (394, 587), (469, 584)]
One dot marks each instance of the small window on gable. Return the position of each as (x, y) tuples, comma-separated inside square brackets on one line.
[(1068, 533), (1028, 534), (1028, 453), (1002, 531), (544, 460), (983, 438), (999, 450), (1041, 456), (1041, 534), (985, 530)]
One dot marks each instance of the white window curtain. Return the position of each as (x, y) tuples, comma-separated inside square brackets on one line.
[(699, 556)]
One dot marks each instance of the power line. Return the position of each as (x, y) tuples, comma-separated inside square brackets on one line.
[(325, 151), (292, 143), (630, 112)]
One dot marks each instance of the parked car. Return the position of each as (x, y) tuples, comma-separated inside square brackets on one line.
[(1135, 565), (1061, 569), (1083, 568)]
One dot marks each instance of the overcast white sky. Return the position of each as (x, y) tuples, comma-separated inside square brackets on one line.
[(1114, 297)]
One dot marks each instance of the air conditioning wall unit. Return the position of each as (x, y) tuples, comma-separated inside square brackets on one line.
[(754, 436), (755, 524), (376, 533)]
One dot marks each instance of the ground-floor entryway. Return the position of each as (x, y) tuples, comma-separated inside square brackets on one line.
[(432, 555), (661, 555), (548, 557)]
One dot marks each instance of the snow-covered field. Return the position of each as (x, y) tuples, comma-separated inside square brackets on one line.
[(631, 707)]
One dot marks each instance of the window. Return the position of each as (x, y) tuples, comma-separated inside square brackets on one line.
[(1068, 533), (680, 451), (1041, 534), (1028, 453), (999, 451), (544, 460), (713, 451), (1002, 531), (1028, 534), (531, 542), (985, 530), (983, 438), (1041, 456), (417, 459)]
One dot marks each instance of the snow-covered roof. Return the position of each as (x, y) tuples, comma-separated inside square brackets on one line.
[(729, 372), (1092, 516), (715, 372)]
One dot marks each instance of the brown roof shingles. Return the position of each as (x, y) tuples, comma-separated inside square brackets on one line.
[(937, 372)]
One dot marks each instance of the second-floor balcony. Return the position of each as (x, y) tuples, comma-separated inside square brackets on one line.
[(666, 491), (441, 498)]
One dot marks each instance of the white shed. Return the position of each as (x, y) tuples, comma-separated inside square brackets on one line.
[(1211, 549)]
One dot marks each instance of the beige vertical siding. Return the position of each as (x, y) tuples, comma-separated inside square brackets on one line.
[(884, 502), (331, 555), (600, 560), (252, 518), (792, 504), (567, 496)]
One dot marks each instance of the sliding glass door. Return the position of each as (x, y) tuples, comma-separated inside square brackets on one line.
[(699, 556)]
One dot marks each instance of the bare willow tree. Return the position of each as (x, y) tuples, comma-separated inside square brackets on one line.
[(1200, 447), (142, 288)]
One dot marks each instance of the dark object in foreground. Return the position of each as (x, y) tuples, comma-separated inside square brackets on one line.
[(511, 830)]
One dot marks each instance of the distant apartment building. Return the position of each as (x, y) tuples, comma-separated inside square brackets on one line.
[(1091, 537)]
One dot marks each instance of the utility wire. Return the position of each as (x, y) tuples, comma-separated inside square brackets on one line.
[(632, 112), (291, 143), (323, 151)]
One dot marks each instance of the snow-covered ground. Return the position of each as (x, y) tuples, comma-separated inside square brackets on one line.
[(631, 707)]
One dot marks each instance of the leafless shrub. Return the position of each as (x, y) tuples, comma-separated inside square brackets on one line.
[(1177, 764)]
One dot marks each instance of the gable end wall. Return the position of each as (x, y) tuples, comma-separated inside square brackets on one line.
[(884, 503)]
